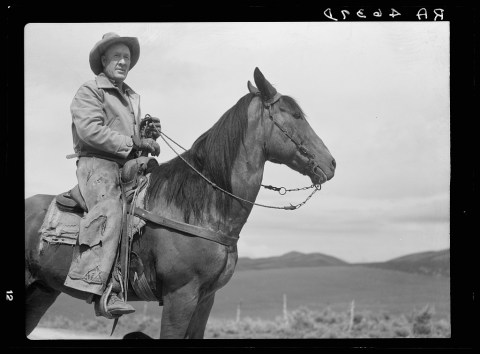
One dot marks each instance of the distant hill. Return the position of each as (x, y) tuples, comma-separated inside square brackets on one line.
[(436, 263), (289, 260)]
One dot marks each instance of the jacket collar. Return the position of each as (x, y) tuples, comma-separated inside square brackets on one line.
[(104, 82)]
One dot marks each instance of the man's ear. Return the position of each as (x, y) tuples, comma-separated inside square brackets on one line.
[(103, 59)]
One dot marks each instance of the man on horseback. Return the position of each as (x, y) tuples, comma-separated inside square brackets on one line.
[(106, 135)]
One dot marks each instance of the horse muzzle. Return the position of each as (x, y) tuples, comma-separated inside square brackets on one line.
[(317, 174)]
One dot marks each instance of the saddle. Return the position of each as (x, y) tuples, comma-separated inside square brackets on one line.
[(131, 171), (72, 200)]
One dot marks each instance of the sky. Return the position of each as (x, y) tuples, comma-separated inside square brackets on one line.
[(377, 93)]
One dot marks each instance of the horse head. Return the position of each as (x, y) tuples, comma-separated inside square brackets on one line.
[(289, 138)]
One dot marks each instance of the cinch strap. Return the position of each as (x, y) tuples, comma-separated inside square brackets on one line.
[(226, 240)]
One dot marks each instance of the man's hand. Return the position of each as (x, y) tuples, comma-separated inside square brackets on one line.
[(146, 144), (151, 127), (154, 128)]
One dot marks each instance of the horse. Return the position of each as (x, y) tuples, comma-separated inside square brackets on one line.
[(213, 185)]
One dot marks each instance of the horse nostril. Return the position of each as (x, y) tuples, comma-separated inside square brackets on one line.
[(334, 163)]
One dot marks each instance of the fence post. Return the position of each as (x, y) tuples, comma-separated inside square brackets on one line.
[(238, 311), (145, 310), (352, 315), (285, 311)]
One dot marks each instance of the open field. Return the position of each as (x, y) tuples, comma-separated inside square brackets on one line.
[(260, 293), (386, 303)]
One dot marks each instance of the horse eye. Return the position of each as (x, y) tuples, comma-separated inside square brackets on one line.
[(297, 115)]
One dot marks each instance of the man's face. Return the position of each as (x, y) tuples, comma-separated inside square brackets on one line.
[(116, 62)]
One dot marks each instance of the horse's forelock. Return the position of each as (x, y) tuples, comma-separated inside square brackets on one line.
[(292, 104)]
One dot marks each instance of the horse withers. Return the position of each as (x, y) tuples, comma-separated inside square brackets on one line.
[(212, 186)]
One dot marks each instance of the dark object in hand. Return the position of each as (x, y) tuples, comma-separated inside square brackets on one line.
[(150, 127)]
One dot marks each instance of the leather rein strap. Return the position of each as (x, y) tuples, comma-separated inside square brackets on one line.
[(218, 237)]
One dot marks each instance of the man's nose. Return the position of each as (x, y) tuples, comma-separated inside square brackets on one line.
[(122, 61)]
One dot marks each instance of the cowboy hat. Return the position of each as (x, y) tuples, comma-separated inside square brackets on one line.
[(107, 40)]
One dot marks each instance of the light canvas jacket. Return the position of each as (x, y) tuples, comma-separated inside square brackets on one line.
[(103, 120)]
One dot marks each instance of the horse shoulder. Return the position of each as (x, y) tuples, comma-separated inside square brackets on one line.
[(180, 259)]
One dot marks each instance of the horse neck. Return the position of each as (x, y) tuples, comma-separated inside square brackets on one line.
[(246, 177), (247, 173)]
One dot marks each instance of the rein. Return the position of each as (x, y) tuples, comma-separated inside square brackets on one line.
[(282, 189), (311, 166)]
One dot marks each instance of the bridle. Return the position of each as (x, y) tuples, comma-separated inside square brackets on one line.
[(311, 166)]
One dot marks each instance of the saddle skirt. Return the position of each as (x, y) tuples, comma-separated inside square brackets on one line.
[(61, 224)]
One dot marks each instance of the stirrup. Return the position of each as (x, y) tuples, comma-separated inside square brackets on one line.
[(101, 304)]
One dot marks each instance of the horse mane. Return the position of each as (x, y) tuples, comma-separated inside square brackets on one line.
[(212, 154)]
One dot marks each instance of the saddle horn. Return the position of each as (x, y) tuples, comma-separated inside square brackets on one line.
[(266, 89)]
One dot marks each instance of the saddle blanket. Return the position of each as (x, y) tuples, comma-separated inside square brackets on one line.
[(61, 226)]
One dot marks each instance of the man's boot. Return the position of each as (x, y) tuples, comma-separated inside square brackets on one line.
[(117, 306)]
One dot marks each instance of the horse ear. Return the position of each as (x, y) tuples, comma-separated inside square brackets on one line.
[(266, 88), (251, 88)]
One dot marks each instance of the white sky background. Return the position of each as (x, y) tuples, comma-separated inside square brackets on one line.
[(377, 94)]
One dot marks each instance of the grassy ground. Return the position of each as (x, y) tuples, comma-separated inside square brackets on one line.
[(300, 323), (305, 323)]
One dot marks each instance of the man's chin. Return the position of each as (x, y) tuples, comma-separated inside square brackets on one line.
[(119, 78)]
